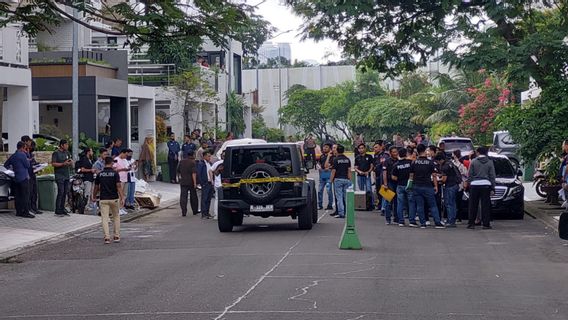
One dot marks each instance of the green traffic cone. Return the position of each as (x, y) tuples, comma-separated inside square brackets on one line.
[(349, 238)]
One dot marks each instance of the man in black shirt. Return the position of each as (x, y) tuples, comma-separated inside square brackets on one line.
[(451, 181), (325, 175), (378, 159), (85, 167), (364, 166), (111, 198), (388, 182), (340, 179), (405, 198), (423, 175)]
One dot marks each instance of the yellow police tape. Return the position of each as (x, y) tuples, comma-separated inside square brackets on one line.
[(263, 180)]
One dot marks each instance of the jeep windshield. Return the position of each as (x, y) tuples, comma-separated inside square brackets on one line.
[(279, 158), (503, 168)]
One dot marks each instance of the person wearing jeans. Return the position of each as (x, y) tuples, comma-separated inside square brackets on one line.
[(61, 161), (340, 179), (425, 186), (388, 182), (451, 178), (204, 174), (364, 167), (324, 177), (405, 198)]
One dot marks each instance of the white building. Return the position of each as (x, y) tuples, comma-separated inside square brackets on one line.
[(19, 116), (270, 50)]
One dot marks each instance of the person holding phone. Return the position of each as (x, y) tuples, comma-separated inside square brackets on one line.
[(61, 162)]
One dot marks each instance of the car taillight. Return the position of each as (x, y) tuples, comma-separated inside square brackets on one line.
[(226, 181)]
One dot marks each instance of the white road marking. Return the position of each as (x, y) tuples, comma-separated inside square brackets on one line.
[(257, 283), (305, 291)]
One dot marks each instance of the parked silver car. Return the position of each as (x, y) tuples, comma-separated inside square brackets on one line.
[(503, 144)]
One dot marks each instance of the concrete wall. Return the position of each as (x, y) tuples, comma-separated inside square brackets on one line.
[(13, 46)]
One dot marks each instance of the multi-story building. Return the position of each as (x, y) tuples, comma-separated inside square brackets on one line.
[(270, 50), (19, 117)]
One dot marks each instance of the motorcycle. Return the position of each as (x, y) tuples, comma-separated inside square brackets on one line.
[(539, 180), (78, 198)]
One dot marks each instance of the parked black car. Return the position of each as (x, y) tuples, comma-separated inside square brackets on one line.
[(266, 180), (508, 200)]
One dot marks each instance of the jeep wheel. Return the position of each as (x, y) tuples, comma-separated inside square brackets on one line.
[(305, 216), (237, 219), (260, 193), (224, 221), (314, 206)]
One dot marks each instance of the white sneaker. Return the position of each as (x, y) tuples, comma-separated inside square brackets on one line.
[(428, 223), (123, 212), (417, 218), (401, 224)]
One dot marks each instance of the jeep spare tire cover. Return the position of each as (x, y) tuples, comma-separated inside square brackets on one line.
[(260, 193)]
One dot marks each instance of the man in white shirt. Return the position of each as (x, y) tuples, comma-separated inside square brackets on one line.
[(216, 170)]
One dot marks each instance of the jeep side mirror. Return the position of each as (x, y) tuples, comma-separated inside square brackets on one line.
[(519, 173)]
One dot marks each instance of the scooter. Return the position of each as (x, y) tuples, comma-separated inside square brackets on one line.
[(78, 198), (538, 182)]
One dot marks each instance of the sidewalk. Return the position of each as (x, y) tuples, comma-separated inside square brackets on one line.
[(18, 233), (535, 207)]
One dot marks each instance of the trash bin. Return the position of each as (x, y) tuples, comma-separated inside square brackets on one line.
[(529, 171), (165, 172), (47, 192)]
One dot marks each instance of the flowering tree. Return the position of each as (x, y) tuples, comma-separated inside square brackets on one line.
[(477, 118)]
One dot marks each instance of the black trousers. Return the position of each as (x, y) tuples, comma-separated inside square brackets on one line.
[(480, 195), (22, 196), (194, 202), (172, 166), (33, 194), (62, 192)]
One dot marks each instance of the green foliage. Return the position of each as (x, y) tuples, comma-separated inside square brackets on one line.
[(443, 129), (163, 25), (389, 35), (42, 145), (261, 131), (377, 116), (86, 142), (48, 170), (539, 127), (303, 110), (237, 111)]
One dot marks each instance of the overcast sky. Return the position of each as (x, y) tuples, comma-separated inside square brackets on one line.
[(282, 18)]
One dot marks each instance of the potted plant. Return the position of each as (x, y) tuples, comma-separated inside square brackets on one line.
[(552, 183)]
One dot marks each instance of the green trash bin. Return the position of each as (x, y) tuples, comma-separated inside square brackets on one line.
[(47, 192), (165, 172), (529, 171)]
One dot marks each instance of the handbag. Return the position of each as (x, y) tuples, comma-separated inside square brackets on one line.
[(387, 193)]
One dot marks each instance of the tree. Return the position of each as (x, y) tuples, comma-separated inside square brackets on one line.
[(538, 127), (303, 110), (523, 37), (378, 116), (160, 24), (477, 118), (237, 111), (193, 88)]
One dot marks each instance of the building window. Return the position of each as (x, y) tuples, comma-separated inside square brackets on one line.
[(112, 41)]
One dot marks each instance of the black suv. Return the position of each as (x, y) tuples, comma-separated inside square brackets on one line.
[(508, 200), (265, 180)]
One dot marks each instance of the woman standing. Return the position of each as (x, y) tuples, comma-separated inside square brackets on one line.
[(147, 158)]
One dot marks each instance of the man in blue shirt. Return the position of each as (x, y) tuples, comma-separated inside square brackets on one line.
[(20, 165), (187, 146), (173, 157)]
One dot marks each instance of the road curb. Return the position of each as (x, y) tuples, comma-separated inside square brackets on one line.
[(12, 255), (536, 210)]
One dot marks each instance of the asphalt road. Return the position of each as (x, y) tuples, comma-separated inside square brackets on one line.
[(169, 267)]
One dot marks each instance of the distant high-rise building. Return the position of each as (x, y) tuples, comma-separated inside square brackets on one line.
[(270, 50)]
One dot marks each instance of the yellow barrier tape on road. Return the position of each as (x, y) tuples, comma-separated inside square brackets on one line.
[(263, 180)]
